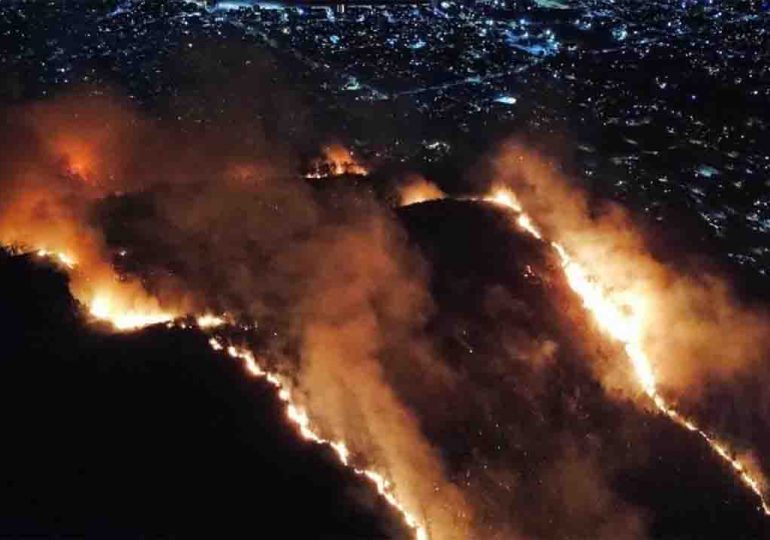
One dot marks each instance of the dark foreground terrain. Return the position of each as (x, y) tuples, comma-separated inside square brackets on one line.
[(153, 434)]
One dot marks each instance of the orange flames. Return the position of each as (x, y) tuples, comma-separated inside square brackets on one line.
[(61, 258), (124, 305), (298, 416), (623, 317), (336, 161), (77, 157), (63, 156), (210, 321), (110, 307), (68, 153)]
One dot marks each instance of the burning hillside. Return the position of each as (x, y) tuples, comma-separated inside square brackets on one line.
[(479, 363)]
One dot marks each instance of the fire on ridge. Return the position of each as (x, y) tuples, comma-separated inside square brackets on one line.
[(336, 161), (111, 304), (299, 418), (105, 307), (627, 327)]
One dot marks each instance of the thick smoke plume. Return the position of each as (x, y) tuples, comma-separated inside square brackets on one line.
[(59, 158), (695, 328), (228, 225)]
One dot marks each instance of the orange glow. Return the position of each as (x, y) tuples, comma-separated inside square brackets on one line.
[(298, 416), (506, 197), (418, 190), (622, 317), (78, 157), (112, 309), (62, 258), (124, 305), (336, 161), (210, 321)]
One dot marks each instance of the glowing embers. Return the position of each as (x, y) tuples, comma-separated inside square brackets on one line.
[(299, 418), (622, 317), (121, 306)]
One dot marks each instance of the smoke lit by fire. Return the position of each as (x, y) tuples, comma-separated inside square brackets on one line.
[(625, 322), (73, 153), (417, 189), (602, 265), (336, 160), (340, 282), (298, 416)]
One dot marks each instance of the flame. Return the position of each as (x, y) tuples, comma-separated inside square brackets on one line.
[(298, 416), (622, 317), (109, 308), (418, 190), (336, 161), (63, 258), (116, 304), (78, 157), (210, 321)]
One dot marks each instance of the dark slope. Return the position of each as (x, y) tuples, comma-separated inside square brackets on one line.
[(541, 440), (151, 434)]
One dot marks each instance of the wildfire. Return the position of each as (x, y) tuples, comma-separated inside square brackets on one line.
[(298, 416), (79, 160), (506, 197), (63, 258), (623, 319), (336, 161), (109, 309), (419, 190), (210, 321), (113, 307)]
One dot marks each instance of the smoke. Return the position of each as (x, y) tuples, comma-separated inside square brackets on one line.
[(230, 227), (358, 298), (580, 501), (522, 420), (333, 274), (219, 222), (694, 327), (59, 158), (416, 189), (336, 160)]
